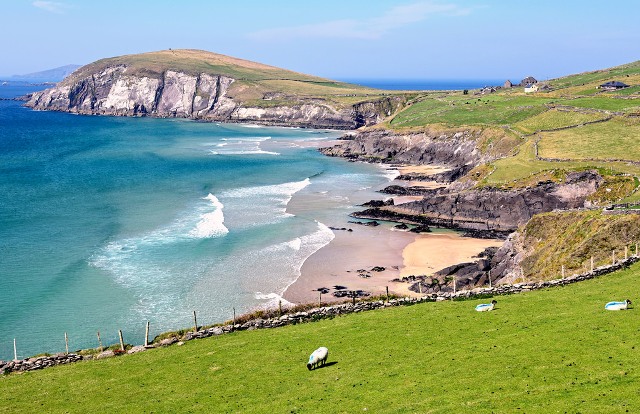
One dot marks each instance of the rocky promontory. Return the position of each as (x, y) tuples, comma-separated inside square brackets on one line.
[(207, 86)]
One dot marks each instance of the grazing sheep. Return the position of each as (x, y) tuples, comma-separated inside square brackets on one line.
[(318, 357), (617, 305), (485, 307)]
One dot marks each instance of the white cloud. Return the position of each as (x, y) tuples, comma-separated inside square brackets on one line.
[(373, 28), (51, 6)]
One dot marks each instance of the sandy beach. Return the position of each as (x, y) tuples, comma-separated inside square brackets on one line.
[(354, 253), (400, 253), (431, 252), (422, 169), (338, 263)]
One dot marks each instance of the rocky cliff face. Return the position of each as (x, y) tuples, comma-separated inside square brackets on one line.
[(454, 149), (493, 209), (112, 91)]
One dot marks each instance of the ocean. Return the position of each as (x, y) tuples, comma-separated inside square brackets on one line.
[(107, 223)]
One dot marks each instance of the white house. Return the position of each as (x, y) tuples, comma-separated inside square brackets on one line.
[(531, 88)]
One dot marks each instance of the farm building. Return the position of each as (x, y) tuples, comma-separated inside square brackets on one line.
[(529, 80), (613, 85)]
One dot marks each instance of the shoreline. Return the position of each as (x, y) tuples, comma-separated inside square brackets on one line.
[(368, 258), (400, 253)]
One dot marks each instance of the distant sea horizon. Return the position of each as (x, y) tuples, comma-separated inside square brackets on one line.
[(425, 84)]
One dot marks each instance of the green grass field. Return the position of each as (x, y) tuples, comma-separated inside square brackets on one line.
[(555, 350), (458, 109), (554, 119), (615, 139)]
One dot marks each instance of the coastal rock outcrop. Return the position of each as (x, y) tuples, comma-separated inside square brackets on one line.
[(491, 209), (454, 149)]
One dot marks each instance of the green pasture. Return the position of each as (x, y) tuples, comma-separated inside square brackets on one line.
[(605, 103), (555, 350), (459, 110), (615, 139), (553, 119)]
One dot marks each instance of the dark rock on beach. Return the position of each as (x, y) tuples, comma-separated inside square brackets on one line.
[(378, 203)]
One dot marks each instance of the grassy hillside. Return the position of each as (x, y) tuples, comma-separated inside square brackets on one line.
[(253, 80), (555, 350), (570, 239), (572, 126)]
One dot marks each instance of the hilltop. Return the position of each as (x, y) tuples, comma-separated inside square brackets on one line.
[(208, 86)]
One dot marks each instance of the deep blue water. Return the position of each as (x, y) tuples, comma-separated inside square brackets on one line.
[(108, 222)]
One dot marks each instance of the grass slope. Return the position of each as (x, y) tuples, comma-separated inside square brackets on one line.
[(554, 350), (570, 239)]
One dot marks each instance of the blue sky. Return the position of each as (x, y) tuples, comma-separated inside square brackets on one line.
[(346, 39)]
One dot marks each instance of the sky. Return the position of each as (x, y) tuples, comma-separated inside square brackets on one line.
[(338, 39)]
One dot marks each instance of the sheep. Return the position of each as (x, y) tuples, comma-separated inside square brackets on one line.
[(485, 307), (617, 305), (318, 357)]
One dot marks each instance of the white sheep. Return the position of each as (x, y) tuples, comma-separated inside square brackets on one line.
[(318, 357), (617, 305), (485, 307)]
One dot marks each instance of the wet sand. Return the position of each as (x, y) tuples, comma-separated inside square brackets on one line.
[(338, 263)]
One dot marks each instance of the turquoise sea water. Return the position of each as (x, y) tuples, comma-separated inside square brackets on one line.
[(108, 222)]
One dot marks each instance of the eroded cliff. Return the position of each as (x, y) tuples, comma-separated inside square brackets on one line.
[(115, 90)]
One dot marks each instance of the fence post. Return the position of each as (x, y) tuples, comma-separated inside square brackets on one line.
[(591, 264), (420, 287), (100, 342), (454, 288), (354, 298), (320, 300), (563, 271), (625, 253), (66, 343), (195, 322), (490, 279), (146, 336), (121, 340), (234, 319), (636, 249), (613, 257), (387, 294), (15, 350)]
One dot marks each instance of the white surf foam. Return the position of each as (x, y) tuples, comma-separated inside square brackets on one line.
[(211, 224), (242, 146), (284, 190), (294, 252), (122, 257)]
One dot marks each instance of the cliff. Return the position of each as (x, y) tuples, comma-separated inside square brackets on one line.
[(501, 210), (453, 148), (211, 87)]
